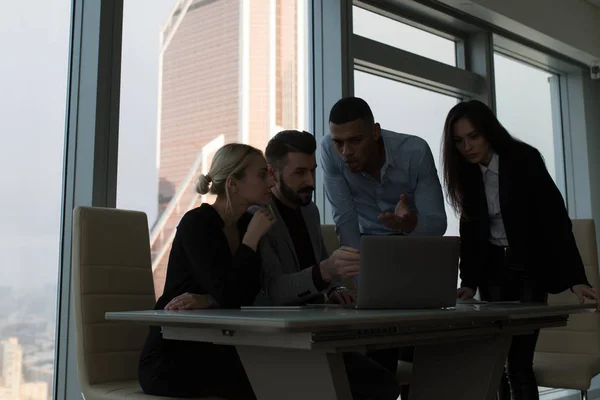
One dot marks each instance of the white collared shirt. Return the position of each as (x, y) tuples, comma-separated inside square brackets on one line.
[(491, 180)]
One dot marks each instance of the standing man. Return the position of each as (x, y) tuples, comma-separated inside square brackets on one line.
[(378, 182)]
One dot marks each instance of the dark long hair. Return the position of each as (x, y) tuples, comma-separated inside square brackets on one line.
[(456, 167)]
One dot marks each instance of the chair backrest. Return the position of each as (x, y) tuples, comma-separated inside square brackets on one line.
[(332, 243), (112, 271), (582, 333)]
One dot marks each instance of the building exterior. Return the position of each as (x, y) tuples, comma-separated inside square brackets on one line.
[(34, 391), (231, 71), (12, 368), (19, 381)]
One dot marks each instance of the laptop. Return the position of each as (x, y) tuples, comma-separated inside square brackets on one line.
[(408, 272), (402, 272)]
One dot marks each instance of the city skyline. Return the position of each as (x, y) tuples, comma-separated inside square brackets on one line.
[(14, 371)]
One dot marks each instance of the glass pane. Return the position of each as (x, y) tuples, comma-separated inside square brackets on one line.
[(402, 36), (196, 75), (408, 109), (35, 57), (524, 105)]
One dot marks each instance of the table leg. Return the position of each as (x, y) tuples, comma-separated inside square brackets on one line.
[(468, 370), (289, 374)]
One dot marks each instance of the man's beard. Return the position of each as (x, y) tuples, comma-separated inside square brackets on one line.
[(294, 195)]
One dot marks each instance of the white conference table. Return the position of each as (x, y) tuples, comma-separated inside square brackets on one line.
[(296, 353)]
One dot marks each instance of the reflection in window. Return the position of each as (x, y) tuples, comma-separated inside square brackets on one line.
[(196, 75), (408, 109), (402, 36)]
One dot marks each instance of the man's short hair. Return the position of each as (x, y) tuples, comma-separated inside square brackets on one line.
[(289, 141), (350, 109)]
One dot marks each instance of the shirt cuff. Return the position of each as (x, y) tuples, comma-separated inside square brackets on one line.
[(318, 281)]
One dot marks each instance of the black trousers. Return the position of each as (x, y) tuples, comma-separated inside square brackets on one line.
[(369, 379), (183, 369), (508, 280), (388, 358)]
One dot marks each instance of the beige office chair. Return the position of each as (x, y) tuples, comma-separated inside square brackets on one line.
[(569, 357), (111, 272), (332, 243)]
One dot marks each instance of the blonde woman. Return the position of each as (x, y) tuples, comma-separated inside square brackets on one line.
[(213, 260)]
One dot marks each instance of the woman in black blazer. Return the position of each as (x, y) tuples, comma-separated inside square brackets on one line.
[(516, 236), (213, 259)]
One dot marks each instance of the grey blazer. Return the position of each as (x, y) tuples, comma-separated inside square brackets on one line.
[(283, 282)]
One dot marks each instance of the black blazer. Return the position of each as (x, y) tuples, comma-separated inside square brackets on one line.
[(538, 227), (200, 262)]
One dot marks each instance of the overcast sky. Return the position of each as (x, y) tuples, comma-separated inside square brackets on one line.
[(33, 84), (33, 75)]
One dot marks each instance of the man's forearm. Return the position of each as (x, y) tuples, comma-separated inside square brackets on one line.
[(349, 235), (430, 225)]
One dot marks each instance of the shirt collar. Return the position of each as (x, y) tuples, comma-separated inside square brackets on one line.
[(492, 166)]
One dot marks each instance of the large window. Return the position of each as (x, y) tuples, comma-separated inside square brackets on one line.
[(528, 105), (33, 78), (196, 75), (412, 79)]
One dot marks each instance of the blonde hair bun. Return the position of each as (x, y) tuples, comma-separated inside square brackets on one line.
[(203, 184), (231, 160)]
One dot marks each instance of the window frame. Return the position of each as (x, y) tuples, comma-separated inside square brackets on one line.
[(90, 161), (332, 75)]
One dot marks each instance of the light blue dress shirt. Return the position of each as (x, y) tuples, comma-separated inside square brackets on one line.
[(358, 199)]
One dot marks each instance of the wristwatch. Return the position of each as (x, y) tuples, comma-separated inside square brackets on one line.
[(337, 289)]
